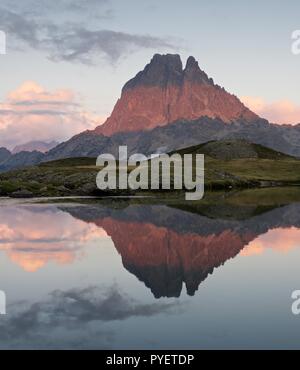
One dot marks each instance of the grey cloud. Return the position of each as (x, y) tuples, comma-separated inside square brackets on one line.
[(43, 7), (74, 42), (76, 306), (72, 311), (44, 112), (4, 112), (19, 27), (28, 103), (82, 45), (82, 5), (92, 305), (37, 112)]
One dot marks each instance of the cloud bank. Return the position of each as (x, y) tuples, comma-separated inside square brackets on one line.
[(74, 318), (279, 240), (32, 113), (32, 237), (61, 32), (282, 112)]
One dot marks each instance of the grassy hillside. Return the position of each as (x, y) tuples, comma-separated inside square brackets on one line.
[(228, 164), (227, 150), (238, 162)]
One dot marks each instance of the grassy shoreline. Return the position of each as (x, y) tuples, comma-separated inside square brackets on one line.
[(67, 178), (228, 165)]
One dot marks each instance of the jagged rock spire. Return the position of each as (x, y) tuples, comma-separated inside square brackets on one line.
[(163, 92)]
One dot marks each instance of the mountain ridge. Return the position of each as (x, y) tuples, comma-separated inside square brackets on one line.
[(179, 135), (35, 145), (163, 93)]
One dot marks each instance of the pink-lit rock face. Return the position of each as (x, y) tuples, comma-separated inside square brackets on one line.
[(164, 92), (164, 259)]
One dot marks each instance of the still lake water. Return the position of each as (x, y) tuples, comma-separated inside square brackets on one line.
[(138, 276)]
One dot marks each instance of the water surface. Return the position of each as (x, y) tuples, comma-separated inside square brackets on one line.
[(129, 275)]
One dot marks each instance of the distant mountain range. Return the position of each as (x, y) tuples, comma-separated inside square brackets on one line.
[(31, 146), (167, 107), (10, 161), (27, 154)]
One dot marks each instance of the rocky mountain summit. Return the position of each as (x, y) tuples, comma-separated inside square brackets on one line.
[(165, 92), (166, 107)]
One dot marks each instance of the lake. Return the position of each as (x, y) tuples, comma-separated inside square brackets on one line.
[(125, 274)]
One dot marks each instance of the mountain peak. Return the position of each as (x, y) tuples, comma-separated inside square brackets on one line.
[(192, 72), (163, 93), (167, 59), (162, 70), (191, 65), (167, 69)]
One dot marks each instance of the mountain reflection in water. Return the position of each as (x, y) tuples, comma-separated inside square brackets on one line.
[(164, 247), (129, 274)]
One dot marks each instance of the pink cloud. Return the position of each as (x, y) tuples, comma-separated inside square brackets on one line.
[(32, 113), (29, 236), (283, 111), (279, 240)]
